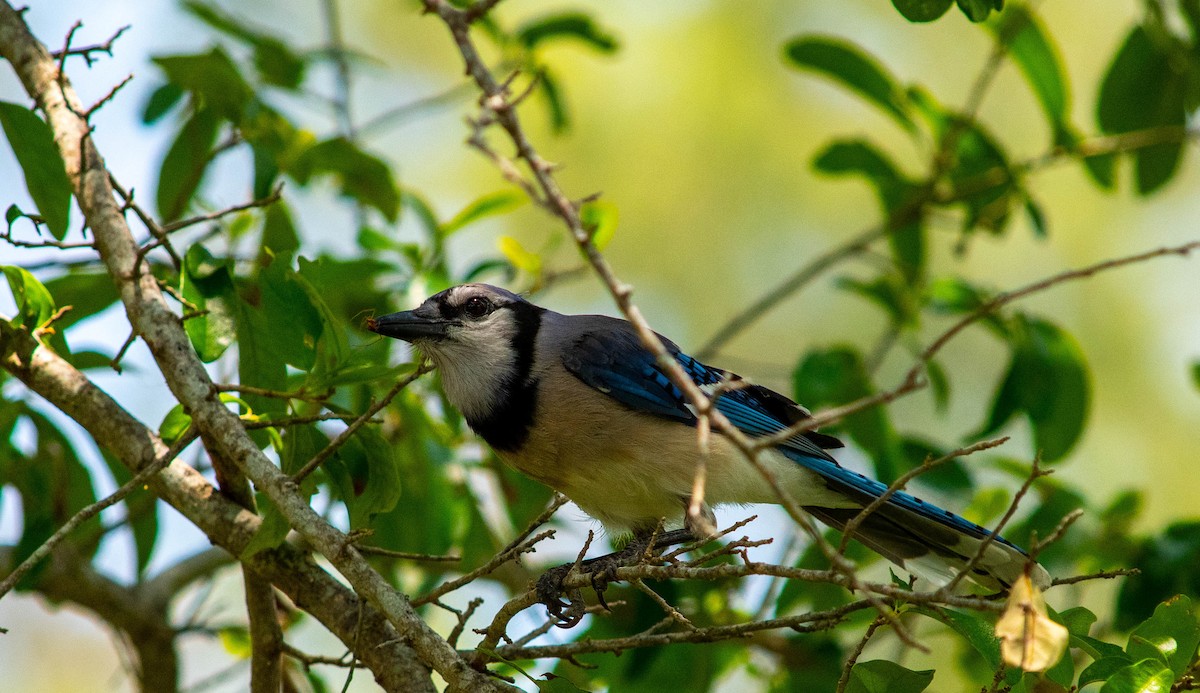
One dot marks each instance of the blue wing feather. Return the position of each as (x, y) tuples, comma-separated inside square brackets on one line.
[(615, 363)]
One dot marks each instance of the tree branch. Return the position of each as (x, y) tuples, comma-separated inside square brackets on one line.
[(186, 376), (227, 525)]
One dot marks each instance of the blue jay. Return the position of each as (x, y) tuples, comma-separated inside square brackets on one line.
[(577, 403)]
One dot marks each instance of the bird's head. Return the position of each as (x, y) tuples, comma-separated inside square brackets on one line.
[(481, 338)]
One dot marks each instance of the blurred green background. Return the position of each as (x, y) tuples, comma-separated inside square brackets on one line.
[(702, 137)]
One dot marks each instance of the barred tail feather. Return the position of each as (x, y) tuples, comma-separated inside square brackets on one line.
[(933, 549)]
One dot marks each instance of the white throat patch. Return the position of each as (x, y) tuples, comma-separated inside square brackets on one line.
[(476, 360)]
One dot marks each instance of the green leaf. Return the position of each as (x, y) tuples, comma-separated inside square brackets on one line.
[(347, 288), (887, 292), (1037, 218), (1146, 676), (270, 533), (556, 103), (32, 143), (236, 641), (333, 349), (300, 443), (161, 101), (174, 424), (1047, 379), (939, 383), (259, 363), (275, 61), (836, 376), (954, 295), (844, 62), (35, 305), (212, 79), (983, 180), (292, 324), (976, 630), (1030, 46), (361, 177), (1172, 635), (566, 25), (376, 483), (978, 10), (279, 237), (1145, 87), (206, 283), (276, 144), (1167, 562), (421, 459), (12, 214), (53, 485), (1196, 374), (906, 238), (491, 204), (882, 676), (185, 163), (1104, 668), (922, 10)]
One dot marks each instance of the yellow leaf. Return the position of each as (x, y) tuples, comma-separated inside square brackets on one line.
[(600, 218), (1029, 639), (520, 258)]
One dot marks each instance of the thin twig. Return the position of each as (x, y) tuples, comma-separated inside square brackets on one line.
[(286, 421), (810, 622), (514, 549), (1039, 545), (152, 225), (327, 452), (307, 660), (112, 93), (408, 555), (267, 201), (1102, 575), (798, 280), (85, 52), (912, 380), (300, 394), (47, 243), (844, 679), (1034, 474), (463, 617)]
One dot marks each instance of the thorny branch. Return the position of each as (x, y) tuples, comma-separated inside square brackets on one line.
[(86, 52)]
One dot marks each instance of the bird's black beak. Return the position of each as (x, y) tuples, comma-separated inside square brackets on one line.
[(408, 326)]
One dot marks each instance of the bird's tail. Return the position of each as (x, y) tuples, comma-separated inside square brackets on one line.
[(937, 544), (918, 536)]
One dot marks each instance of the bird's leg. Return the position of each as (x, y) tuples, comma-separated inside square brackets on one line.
[(602, 570)]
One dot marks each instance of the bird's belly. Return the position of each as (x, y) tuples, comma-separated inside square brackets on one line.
[(629, 472)]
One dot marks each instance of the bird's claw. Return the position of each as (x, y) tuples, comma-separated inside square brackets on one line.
[(569, 612), (565, 613)]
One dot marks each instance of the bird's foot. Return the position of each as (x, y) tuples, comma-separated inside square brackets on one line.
[(602, 571)]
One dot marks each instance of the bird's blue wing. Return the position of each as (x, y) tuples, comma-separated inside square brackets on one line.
[(615, 363)]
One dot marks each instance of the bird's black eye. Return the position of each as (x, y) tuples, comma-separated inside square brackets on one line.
[(476, 307)]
